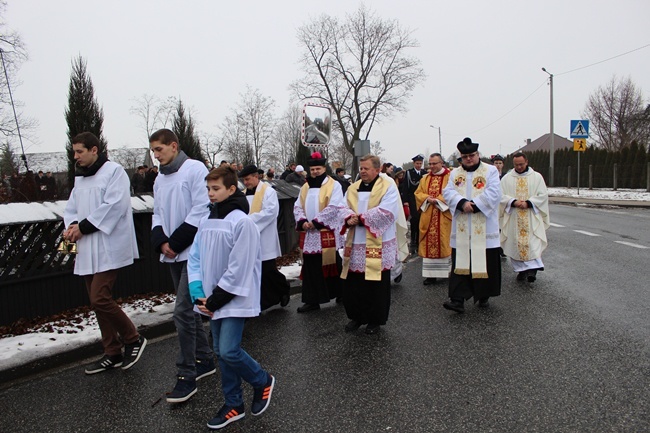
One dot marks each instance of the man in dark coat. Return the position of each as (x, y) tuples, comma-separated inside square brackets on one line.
[(409, 186)]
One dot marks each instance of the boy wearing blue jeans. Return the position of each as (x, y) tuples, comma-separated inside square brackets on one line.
[(224, 269)]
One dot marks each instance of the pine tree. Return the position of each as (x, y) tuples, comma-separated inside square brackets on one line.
[(8, 161), (637, 168), (183, 127), (83, 112)]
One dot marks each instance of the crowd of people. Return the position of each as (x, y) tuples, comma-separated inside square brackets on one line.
[(221, 243), (28, 187)]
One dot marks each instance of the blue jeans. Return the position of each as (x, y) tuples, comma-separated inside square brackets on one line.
[(192, 338), (235, 364)]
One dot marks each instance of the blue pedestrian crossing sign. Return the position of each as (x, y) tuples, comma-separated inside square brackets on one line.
[(579, 129)]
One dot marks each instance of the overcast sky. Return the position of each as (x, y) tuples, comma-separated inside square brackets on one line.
[(482, 59)]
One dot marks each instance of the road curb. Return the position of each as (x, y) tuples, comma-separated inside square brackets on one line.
[(14, 375), (575, 201)]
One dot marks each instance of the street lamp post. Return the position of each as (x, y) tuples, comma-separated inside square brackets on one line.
[(439, 138), (552, 144)]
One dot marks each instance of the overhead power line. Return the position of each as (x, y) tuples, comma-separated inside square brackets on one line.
[(603, 61), (562, 73)]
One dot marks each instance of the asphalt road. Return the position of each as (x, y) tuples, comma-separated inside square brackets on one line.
[(568, 353)]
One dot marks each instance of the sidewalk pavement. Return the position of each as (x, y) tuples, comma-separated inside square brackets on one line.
[(599, 202)]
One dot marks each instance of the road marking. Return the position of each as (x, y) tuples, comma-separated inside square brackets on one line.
[(630, 244), (586, 233), (555, 225)]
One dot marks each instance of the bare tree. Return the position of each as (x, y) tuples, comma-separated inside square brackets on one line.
[(249, 129), (211, 147), (339, 154), (616, 112), (128, 157), (361, 67), (376, 148), (14, 54), (286, 139), (234, 141), (153, 112)]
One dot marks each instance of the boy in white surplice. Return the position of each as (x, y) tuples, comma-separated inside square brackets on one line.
[(224, 280)]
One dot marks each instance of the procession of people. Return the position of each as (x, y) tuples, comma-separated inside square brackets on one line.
[(221, 244)]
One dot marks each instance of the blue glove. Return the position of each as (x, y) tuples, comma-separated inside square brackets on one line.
[(196, 290)]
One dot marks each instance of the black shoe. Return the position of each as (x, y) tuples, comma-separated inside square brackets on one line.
[(483, 303), (184, 389), (352, 325), (284, 301), (205, 367), (398, 279), (372, 329), (308, 307), (457, 306), (429, 281), (532, 276), (132, 352), (262, 397), (106, 363), (226, 415), (521, 276), (339, 299)]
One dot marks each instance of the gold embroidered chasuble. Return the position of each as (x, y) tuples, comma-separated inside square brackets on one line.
[(523, 231), (435, 225)]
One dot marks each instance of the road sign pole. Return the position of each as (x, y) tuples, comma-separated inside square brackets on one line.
[(578, 181)]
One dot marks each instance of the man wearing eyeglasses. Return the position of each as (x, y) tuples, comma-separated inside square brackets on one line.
[(435, 222), (473, 194)]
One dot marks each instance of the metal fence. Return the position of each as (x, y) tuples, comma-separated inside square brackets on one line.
[(36, 280)]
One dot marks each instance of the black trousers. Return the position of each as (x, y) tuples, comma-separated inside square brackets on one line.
[(274, 285), (415, 226)]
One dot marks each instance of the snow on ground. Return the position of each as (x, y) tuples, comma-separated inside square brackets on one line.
[(52, 339), (606, 194)]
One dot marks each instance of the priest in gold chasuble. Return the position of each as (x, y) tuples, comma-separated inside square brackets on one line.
[(435, 222)]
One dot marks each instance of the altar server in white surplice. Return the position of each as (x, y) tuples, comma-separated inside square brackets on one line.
[(264, 210), (224, 282), (180, 201), (99, 218)]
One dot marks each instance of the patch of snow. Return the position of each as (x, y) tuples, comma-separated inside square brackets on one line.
[(604, 194), (21, 349), (292, 272), (20, 213)]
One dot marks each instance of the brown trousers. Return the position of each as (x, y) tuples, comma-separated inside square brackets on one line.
[(114, 324)]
